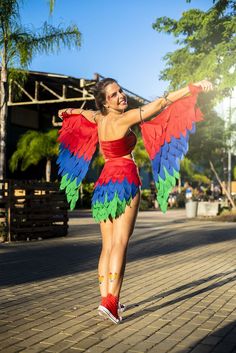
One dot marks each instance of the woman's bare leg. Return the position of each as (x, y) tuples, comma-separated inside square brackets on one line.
[(123, 227), (103, 264)]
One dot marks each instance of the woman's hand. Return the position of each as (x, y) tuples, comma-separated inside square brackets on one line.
[(205, 85), (64, 112), (60, 112)]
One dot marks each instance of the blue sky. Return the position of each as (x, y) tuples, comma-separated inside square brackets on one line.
[(117, 39)]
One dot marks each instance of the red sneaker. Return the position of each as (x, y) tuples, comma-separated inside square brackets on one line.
[(121, 308), (109, 309)]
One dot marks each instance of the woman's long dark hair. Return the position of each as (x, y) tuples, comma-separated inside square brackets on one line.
[(99, 92)]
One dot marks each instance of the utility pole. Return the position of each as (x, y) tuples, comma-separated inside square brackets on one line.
[(229, 146)]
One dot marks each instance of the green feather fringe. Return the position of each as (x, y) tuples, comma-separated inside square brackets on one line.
[(164, 188), (71, 189), (109, 209)]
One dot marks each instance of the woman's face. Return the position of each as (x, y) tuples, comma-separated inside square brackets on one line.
[(115, 97)]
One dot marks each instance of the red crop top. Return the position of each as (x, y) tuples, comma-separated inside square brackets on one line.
[(119, 147)]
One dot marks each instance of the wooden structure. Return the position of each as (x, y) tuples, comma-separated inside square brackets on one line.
[(48, 88), (33, 210), (34, 103)]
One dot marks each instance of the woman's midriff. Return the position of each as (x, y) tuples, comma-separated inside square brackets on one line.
[(127, 156)]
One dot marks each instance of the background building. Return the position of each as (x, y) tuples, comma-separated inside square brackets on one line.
[(34, 106)]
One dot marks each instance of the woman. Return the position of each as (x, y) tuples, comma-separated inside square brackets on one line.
[(116, 196)]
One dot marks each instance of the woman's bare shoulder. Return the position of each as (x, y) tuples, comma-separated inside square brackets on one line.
[(128, 119), (90, 115), (118, 126)]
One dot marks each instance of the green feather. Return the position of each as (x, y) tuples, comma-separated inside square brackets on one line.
[(164, 188), (74, 200), (114, 208), (72, 190), (64, 182)]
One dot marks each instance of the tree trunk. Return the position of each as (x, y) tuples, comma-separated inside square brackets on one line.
[(3, 120), (48, 170), (222, 186)]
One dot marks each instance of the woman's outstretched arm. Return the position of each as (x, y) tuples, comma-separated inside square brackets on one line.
[(88, 114), (147, 111)]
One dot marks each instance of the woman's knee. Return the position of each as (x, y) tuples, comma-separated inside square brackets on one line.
[(106, 249), (120, 242)]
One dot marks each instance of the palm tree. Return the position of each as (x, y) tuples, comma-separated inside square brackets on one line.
[(51, 5), (18, 45), (33, 147)]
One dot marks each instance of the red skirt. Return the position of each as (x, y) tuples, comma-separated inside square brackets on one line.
[(117, 185)]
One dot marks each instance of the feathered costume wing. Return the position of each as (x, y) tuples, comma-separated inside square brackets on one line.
[(165, 138), (78, 139), (166, 141)]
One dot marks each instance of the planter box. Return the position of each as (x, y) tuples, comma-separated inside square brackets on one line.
[(208, 208), (191, 208)]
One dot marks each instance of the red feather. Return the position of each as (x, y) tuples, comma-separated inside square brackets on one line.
[(173, 121), (79, 135)]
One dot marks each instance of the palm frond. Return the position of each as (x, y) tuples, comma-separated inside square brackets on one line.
[(23, 42), (20, 77), (51, 5), (14, 160), (9, 9), (52, 39), (34, 146)]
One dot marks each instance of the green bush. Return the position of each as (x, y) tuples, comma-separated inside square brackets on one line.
[(144, 205), (86, 197), (146, 201), (180, 200), (146, 194)]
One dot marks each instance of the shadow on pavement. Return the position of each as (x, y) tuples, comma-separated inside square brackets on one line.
[(166, 242), (219, 341), (33, 264), (22, 263), (185, 296)]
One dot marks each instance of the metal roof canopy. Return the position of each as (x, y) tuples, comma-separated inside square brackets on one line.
[(49, 88)]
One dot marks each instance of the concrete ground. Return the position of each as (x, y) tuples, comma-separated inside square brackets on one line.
[(179, 287)]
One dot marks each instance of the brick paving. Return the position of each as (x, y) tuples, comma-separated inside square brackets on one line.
[(180, 288)]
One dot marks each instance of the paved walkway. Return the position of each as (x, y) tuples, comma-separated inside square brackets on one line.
[(180, 287)]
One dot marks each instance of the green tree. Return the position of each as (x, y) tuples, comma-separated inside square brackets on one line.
[(141, 156), (206, 49), (18, 45), (190, 173), (207, 46), (209, 141), (33, 147)]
